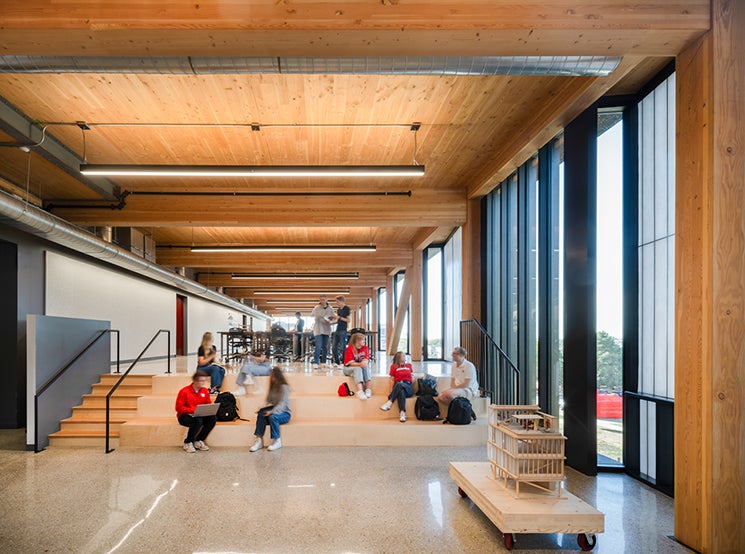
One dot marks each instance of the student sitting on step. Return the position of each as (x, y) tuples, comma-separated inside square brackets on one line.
[(401, 386), (356, 359), (463, 381), (275, 413), (206, 361), (256, 364), (187, 401)]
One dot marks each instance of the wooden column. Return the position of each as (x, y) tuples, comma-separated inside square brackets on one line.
[(710, 287), (471, 255)]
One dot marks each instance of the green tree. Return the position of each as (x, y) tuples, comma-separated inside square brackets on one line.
[(610, 359)]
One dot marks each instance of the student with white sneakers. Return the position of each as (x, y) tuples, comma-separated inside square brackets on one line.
[(356, 359), (401, 386), (187, 401), (275, 413), (463, 380), (256, 364)]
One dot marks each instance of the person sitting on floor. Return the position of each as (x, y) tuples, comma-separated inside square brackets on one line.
[(256, 364), (463, 381), (356, 359), (275, 413), (206, 361), (187, 400), (401, 386)]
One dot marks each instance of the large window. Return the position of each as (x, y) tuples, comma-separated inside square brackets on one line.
[(434, 302), (403, 342), (382, 342), (453, 291)]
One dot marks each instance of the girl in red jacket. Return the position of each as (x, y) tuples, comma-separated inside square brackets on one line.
[(401, 386)]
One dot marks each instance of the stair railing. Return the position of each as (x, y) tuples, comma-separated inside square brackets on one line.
[(498, 376), (49, 382), (124, 376)]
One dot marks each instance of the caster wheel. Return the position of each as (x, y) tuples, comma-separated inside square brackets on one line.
[(462, 493), (509, 541), (586, 542)]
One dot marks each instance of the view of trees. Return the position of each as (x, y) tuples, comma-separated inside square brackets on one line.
[(609, 362)]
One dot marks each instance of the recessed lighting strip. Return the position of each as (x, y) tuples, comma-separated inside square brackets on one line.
[(280, 248), (275, 276)]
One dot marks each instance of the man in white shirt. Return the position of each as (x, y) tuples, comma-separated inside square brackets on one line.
[(463, 381), (323, 317)]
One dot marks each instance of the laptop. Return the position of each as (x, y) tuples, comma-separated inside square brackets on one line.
[(204, 410)]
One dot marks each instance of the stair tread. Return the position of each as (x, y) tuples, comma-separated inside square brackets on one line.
[(83, 433), (306, 421)]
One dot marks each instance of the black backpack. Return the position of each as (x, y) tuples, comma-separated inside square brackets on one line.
[(460, 412), (228, 410), (426, 408)]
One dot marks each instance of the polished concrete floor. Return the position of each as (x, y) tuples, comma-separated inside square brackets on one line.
[(325, 500)]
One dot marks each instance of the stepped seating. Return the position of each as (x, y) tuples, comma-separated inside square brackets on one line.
[(319, 417), (87, 425)]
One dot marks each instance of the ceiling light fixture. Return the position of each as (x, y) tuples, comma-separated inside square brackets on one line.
[(280, 248), (299, 292), (275, 276), (252, 170)]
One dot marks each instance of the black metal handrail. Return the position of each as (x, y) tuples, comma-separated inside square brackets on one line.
[(124, 376), (48, 383), (498, 376)]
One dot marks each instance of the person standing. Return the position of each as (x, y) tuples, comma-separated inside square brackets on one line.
[(463, 380), (187, 400), (401, 386), (323, 316), (275, 413), (299, 326), (206, 361), (340, 336)]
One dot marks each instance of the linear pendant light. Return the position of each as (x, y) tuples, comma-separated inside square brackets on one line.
[(280, 248), (253, 170), (284, 276)]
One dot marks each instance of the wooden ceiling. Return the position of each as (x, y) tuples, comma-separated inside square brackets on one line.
[(474, 130)]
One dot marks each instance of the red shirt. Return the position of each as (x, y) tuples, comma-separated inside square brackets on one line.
[(352, 355), (402, 372), (188, 399)]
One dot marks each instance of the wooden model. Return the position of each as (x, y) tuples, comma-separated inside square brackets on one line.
[(524, 445)]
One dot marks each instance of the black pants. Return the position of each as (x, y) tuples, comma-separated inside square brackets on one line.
[(199, 427)]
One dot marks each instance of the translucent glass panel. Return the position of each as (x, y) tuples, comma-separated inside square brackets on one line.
[(433, 322), (657, 240), (403, 342), (382, 319), (453, 293), (556, 274), (529, 244), (510, 267), (647, 438)]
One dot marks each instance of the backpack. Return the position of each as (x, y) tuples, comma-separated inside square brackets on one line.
[(460, 412), (228, 410), (426, 386), (426, 408), (344, 390)]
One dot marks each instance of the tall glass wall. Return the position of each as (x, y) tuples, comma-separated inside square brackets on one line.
[(382, 319), (453, 291), (434, 302)]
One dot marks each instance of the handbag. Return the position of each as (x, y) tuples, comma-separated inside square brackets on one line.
[(426, 385)]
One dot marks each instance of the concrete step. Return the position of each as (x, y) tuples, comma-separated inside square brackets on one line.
[(167, 432), (306, 407)]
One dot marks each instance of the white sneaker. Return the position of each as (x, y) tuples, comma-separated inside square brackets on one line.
[(387, 406), (199, 445), (368, 393), (189, 448), (276, 445), (315, 366), (361, 395), (402, 417), (240, 391), (258, 445)]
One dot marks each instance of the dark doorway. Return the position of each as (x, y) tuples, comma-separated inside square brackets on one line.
[(180, 325)]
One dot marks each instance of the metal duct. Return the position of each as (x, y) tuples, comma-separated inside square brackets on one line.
[(32, 220), (596, 66)]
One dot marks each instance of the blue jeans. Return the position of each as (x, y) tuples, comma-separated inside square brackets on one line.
[(322, 346), (253, 369), (401, 391), (216, 373), (340, 343), (274, 421)]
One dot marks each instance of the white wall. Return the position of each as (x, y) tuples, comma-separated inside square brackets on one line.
[(138, 308)]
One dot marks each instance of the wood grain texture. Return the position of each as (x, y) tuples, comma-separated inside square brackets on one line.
[(728, 363)]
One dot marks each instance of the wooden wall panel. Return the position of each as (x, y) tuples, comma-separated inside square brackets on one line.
[(471, 260)]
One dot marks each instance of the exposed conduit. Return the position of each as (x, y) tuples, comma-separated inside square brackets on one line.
[(30, 219), (597, 66)]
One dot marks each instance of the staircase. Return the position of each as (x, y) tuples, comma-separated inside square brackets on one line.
[(87, 425)]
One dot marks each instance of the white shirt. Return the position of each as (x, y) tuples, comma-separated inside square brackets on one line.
[(321, 315), (465, 370)]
